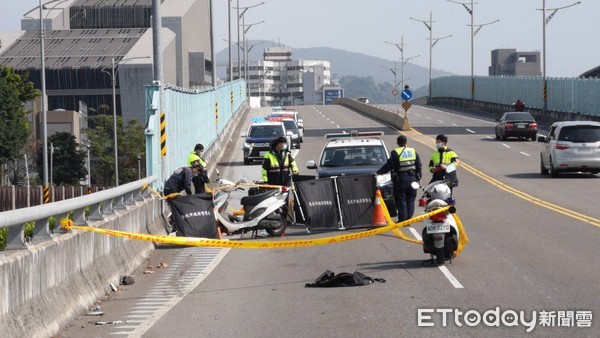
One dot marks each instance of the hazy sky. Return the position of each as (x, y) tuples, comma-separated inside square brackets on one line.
[(362, 26)]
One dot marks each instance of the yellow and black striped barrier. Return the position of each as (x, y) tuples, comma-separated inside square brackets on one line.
[(163, 135)]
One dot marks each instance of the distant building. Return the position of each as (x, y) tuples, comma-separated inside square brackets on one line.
[(278, 80), (82, 37), (594, 72), (511, 62)]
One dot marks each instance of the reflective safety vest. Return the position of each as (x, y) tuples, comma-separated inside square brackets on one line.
[(407, 157), (273, 172), (193, 157), (438, 158)]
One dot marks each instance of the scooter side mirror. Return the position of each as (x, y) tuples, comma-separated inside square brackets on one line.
[(450, 168)]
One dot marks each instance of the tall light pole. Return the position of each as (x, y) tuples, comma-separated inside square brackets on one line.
[(46, 191), (114, 99), (471, 8), (52, 148), (241, 17), (545, 21), (432, 43), (393, 70), (247, 50), (403, 60), (230, 77), (139, 158), (212, 47)]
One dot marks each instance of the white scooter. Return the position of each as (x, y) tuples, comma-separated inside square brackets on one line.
[(440, 232), (261, 211)]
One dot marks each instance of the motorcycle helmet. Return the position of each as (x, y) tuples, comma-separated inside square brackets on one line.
[(441, 191)]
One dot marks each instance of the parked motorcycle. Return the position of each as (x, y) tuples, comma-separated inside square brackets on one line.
[(266, 210), (440, 231)]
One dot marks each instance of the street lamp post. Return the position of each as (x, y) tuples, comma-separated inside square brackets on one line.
[(139, 158), (114, 99), (393, 70), (545, 21), (246, 50), (403, 60), (241, 17), (44, 135), (52, 148), (432, 43), (471, 8)]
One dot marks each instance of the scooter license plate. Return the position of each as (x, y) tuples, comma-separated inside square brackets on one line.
[(438, 228)]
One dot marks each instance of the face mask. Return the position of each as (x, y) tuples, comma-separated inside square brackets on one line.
[(439, 145), (284, 147)]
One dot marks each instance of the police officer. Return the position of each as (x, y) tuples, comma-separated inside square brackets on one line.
[(201, 178), (440, 159), (278, 164), (181, 179), (405, 167)]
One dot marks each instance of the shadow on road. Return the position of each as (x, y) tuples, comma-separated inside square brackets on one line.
[(406, 264)]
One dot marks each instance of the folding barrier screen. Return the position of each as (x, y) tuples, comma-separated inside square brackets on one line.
[(337, 202)]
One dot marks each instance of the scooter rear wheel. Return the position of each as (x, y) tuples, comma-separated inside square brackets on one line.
[(278, 231), (440, 255)]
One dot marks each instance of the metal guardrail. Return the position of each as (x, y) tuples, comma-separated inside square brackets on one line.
[(98, 206)]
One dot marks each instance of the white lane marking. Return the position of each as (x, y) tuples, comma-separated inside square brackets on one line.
[(331, 122), (454, 124), (465, 117), (183, 288), (337, 125), (442, 268), (489, 137), (470, 131), (506, 145), (441, 121), (427, 117), (451, 277), (526, 154)]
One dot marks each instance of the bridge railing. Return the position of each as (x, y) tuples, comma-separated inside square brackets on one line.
[(187, 117), (84, 209), (568, 95)]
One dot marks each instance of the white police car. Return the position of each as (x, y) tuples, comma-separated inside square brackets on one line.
[(356, 153)]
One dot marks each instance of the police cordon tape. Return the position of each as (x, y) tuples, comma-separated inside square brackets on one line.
[(284, 244)]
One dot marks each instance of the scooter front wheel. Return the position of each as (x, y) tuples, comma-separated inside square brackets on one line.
[(279, 230)]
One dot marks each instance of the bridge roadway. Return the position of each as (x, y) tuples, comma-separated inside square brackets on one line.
[(534, 247)]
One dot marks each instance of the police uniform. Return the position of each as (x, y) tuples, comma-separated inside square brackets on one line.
[(201, 178), (405, 167), (276, 167), (443, 156)]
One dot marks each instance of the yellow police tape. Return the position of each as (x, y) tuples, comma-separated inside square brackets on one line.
[(190, 241)]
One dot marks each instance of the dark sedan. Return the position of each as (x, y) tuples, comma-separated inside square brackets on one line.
[(516, 124)]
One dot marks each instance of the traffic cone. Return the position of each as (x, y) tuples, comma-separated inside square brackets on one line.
[(378, 216)]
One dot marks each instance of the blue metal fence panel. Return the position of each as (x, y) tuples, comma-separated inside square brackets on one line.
[(564, 94), (191, 117)]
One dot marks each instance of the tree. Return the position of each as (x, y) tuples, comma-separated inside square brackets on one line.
[(131, 142), (15, 90), (69, 162)]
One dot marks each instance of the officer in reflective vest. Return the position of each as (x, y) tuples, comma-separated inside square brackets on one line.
[(405, 167), (201, 178), (440, 159), (278, 164)]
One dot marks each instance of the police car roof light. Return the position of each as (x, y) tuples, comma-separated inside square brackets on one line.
[(354, 134)]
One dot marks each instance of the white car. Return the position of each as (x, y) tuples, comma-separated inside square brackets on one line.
[(356, 153), (571, 146)]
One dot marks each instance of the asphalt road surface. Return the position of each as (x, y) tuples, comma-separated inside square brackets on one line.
[(531, 264)]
